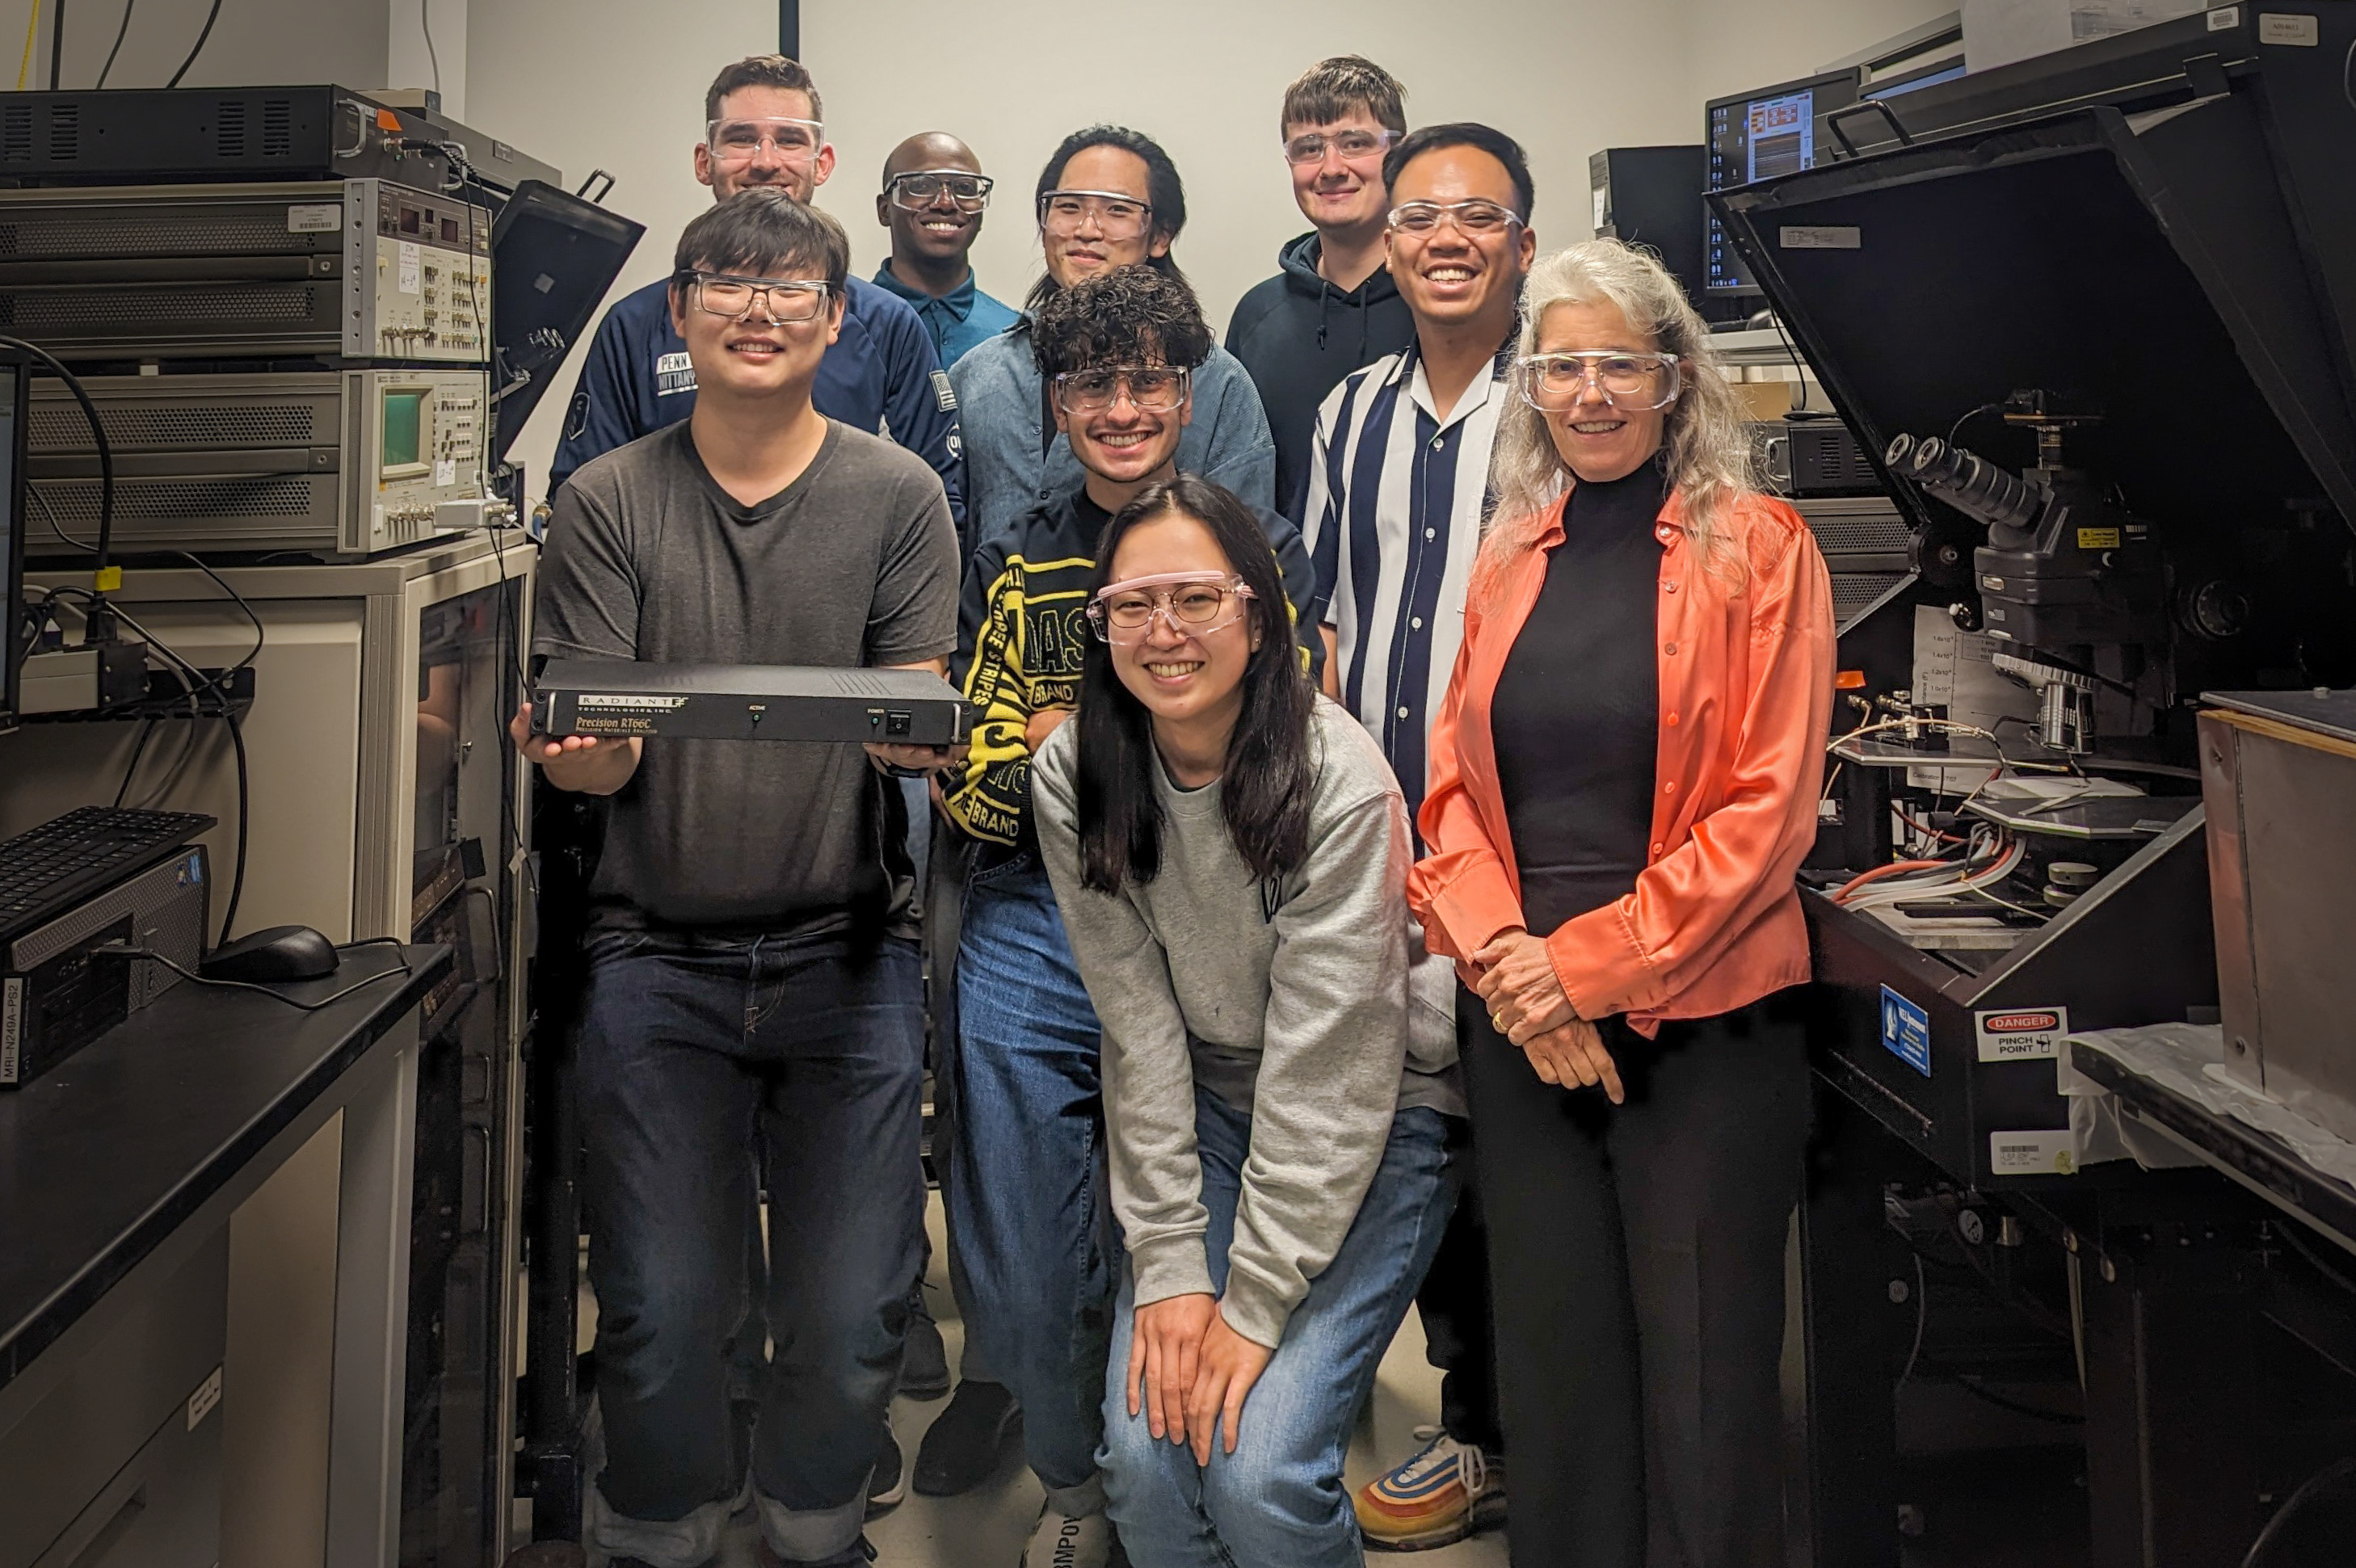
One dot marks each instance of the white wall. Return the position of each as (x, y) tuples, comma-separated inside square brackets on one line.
[(1206, 79), (618, 84), (253, 42)]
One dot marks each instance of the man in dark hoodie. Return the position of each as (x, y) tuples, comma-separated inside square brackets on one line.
[(1333, 307)]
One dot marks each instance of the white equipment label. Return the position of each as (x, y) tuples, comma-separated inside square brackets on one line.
[(2045, 1152), (314, 218), (445, 471), (2022, 1034), (1822, 237), (596, 699), (408, 266), (2292, 31)]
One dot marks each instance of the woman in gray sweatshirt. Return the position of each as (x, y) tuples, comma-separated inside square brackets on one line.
[(1230, 851)]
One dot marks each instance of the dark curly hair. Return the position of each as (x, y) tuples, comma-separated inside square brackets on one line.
[(1129, 315)]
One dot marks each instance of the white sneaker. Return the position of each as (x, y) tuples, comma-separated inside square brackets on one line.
[(1064, 1540)]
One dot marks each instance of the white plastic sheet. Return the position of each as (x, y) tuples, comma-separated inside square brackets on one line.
[(2189, 1059)]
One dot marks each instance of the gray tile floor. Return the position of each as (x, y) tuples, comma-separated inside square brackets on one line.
[(987, 1527)]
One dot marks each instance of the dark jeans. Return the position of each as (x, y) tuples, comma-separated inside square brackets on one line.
[(1637, 1260), (695, 1049), (1453, 1303)]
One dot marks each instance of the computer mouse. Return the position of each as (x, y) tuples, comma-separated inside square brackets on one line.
[(281, 952)]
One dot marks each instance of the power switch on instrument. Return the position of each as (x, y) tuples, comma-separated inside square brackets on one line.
[(898, 723)]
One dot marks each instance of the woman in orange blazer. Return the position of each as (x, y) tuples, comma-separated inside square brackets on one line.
[(1623, 779)]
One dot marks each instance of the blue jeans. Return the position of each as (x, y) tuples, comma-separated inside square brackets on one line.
[(1278, 1501), (693, 1050), (748, 1353), (1026, 1201)]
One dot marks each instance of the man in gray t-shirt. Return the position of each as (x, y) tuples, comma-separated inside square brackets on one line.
[(754, 978), (649, 559)]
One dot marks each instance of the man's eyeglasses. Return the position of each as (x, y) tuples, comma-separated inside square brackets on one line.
[(916, 192), (1553, 383), (1194, 603), (1352, 146), (1152, 388), (738, 141), (1474, 219), (1064, 213), (785, 300)]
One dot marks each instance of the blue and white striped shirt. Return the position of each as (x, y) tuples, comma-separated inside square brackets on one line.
[(1393, 521)]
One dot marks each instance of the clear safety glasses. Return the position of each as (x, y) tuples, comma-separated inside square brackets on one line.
[(1194, 603), (1154, 389), (1349, 146), (1474, 219), (1065, 213), (923, 188), (735, 143), (1554, 383), (785, 300)]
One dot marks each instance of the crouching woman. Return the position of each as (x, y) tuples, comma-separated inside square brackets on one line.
[(1230, 852)]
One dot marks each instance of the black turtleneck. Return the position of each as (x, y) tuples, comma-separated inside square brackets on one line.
[(1576, 715)]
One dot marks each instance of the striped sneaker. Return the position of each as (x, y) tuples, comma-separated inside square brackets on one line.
[(1446, 1491)]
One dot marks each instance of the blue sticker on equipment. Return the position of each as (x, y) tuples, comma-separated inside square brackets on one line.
[(1906, 1031)]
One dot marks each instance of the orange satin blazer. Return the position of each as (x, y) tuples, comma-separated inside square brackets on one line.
[(1746, 679)]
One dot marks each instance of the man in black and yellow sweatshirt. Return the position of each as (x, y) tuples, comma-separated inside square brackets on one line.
[(1026, 1209)]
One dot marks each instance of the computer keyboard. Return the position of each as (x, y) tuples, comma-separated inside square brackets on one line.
[(47, 870)]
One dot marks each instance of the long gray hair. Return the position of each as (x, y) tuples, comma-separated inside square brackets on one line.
[(1707, 449)]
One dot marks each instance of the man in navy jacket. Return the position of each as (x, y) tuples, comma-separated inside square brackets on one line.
[(763, 125)]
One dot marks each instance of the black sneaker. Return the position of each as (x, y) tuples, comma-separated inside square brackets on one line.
[(887, 1484), (924, 1360), (969, 1440), (858, 1554)]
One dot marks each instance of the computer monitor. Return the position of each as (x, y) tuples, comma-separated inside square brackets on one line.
[(13, 378), (1757, 135)]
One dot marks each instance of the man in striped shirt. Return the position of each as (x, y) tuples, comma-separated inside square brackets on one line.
[(1398, 480)]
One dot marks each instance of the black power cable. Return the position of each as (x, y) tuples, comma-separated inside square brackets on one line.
[(210, 18), (104, 547), (197, 687), (146, 733), (121, 33), (1799, 371), (114, 951), (228, 715)]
